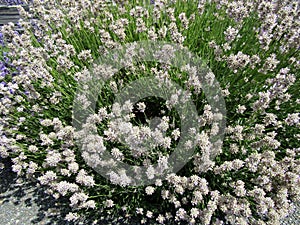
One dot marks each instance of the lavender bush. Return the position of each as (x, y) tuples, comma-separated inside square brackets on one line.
[(252, 49)]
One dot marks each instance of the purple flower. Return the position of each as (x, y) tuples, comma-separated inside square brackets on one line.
[(13, 2), (1, 39), (3, 69)]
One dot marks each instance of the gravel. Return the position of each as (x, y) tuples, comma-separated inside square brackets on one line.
[(294, 217)]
